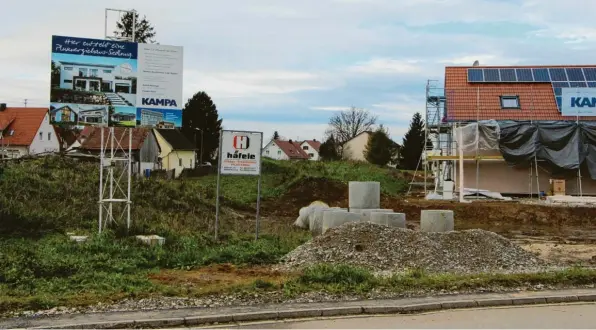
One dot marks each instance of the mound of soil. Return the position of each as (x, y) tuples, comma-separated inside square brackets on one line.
[(304, 192), (383, 248)]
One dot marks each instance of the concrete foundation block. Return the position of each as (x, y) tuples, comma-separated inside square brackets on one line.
[(336, 218), (151, 240), (391, 219), (364, 195), (316, 219), (436, 221), (367, 212), (78, 239)]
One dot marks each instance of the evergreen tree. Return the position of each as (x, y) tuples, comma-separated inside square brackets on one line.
[(413, 143), (200, 120), (380, 149), (144, 31), (328, 151), (275, 135)]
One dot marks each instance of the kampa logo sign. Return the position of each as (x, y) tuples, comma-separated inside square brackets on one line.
[(161, 102), (240, 142), (583, 102)]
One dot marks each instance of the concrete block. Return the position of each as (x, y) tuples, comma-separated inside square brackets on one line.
[(335, 218), (207, 319), (459, 304), (299, 314), (364, 195), (341, 311), (390, 219), (367, 212), (560, 299), (436, 221), (382, 309), (151, 240), (494, 302), (586, 297), (316, 220), (159, 323), (529, 301), (256, 316), (421, 307)]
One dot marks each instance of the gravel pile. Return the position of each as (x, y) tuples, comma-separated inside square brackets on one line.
[(386, 249)]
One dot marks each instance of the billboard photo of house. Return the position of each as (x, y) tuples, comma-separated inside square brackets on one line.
[(161, 118), (79, 114), (123, 116)]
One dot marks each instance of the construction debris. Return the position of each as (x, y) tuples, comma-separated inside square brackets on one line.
[(382, 248)]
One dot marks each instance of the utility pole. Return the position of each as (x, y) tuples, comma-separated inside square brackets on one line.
[(25, 103)]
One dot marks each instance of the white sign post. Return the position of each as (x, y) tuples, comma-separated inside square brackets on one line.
[(239, 154)]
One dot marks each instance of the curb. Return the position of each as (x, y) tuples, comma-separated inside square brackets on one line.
[(327, 312)]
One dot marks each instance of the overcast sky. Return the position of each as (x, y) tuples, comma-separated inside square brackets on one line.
[(286, 65)]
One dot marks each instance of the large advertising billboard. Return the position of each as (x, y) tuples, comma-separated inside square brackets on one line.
[(104, 82), (578, 102)]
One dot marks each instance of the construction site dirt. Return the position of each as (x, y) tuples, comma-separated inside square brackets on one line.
[(559, 233)]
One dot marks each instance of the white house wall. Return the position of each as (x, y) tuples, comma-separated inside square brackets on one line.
[(310, 150), (45, 139), (272, 151)]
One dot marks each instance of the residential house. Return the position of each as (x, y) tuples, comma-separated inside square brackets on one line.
[(504, 93), (284, 150), (66, 137), (354, 149), (64, 114), (176, 152), (95, 77), (144, 147), (311, 148), (26, 132)]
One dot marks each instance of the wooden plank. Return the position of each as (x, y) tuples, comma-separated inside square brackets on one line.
[(431, 158)]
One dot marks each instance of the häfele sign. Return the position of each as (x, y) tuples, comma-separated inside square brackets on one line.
[(240, 153)]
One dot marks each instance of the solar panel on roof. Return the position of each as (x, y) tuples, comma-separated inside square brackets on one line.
[(575, 74), (475, 75), (577, 84), (558, 91), (560, 84), (557, 74), (541, 75), (491, 75), (524, 75), (559, 102), (508, 75), (591, 83), (590, 73)]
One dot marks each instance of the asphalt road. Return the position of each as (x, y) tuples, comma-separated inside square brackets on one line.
[(571, 316)]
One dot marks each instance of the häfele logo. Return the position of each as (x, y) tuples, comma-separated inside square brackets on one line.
[(239, 143)]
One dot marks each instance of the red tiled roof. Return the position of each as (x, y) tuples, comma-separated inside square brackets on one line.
[(24, 121), (481, 101), (314, 144), (292, 149), (93, 141)]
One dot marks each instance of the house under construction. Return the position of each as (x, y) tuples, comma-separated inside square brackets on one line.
[(513, 128)]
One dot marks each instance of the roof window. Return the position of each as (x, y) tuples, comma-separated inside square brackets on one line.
[(510, 102)]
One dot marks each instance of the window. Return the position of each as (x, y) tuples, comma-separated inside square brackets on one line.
[(49, 136), (279, 152), (41, 135), (107, 71), (68, 81), (510, 102), (83, 72), (304, 147), (93, 72), (180, 161), (311, 155), (267, 152), (68, 68)]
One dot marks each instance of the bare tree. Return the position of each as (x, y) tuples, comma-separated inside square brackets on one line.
[(349, 123)]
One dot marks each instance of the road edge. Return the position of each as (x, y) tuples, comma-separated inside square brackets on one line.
[(289, 313)]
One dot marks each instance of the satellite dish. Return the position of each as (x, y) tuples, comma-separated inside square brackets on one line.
[(476, 63)]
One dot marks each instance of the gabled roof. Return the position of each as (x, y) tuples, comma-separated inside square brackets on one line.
[(93, 141), (67, 136), (291, 149), (481, 101), (25, 123), (176, 139), (313, 143)]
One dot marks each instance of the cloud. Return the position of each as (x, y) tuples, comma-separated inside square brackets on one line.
[(330, 108), (388, 66)]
